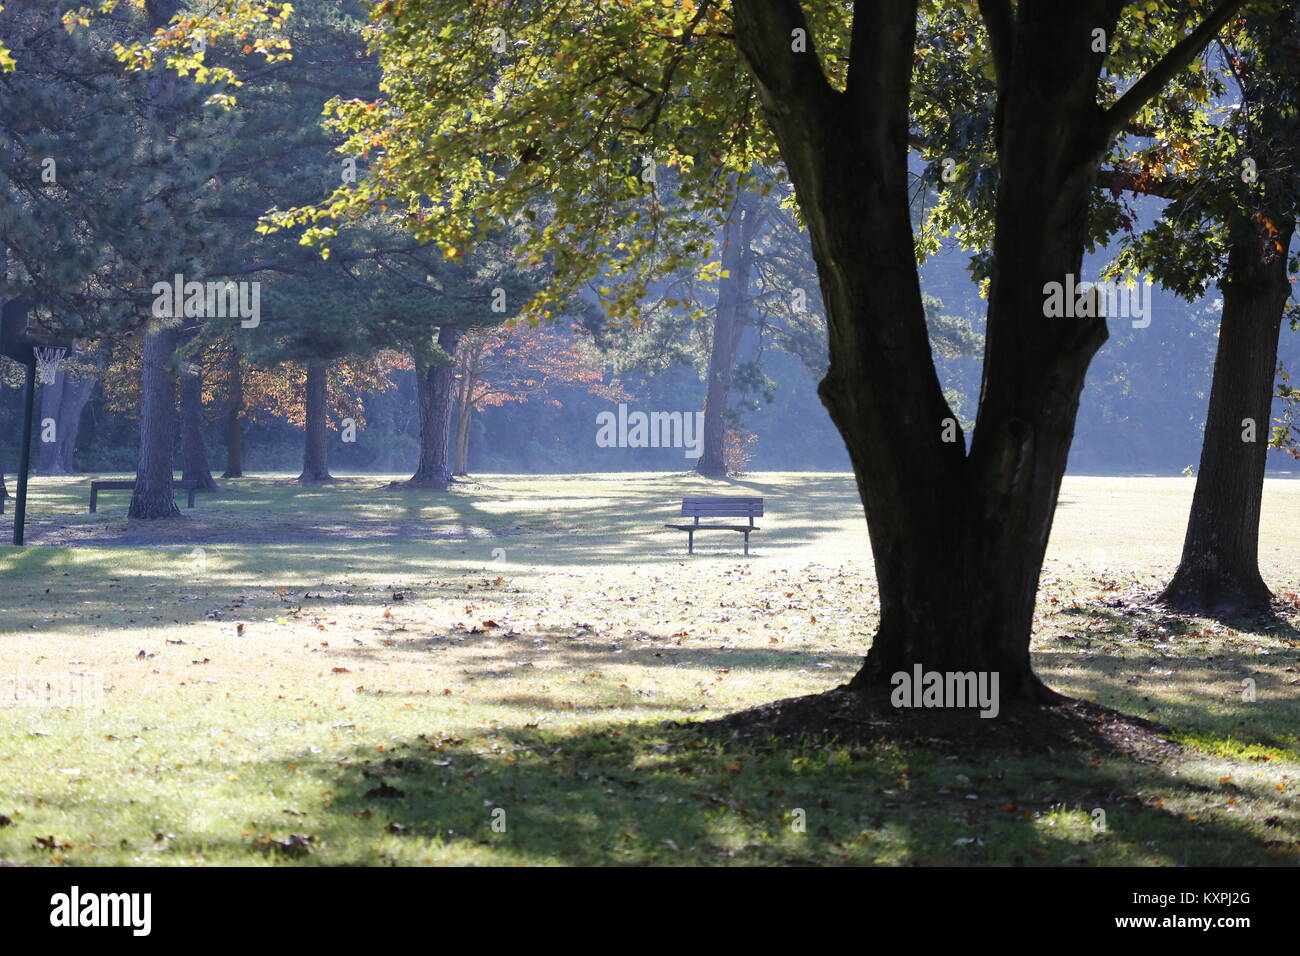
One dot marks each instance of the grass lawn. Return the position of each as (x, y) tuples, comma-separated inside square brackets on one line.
[(354, 675)]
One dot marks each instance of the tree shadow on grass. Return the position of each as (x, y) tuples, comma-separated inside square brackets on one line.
[(563, 650), (642, 794), (1202, 701), (647, 794), (1147, 619)]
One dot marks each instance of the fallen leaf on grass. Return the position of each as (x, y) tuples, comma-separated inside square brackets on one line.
[(50, 843), (295, 844)]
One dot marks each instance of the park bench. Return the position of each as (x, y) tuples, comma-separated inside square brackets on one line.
[(718, 507), (97, 486)]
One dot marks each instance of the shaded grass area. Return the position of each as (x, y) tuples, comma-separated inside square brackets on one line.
[(371, 700), (639, 794)]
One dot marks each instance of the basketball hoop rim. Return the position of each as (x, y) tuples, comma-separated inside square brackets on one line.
[(47, 359)]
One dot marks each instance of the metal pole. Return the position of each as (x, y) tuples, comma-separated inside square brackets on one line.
[(25, 453)]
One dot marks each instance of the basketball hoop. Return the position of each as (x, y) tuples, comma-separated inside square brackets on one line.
[(47, 362)]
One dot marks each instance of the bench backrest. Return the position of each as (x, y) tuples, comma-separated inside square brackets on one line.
[(718, 507), (126, 484)]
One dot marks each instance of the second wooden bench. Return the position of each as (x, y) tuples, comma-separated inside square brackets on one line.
[(97, 486)]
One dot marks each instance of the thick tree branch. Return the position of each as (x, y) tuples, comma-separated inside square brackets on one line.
[(765, 35), (1176, 59), (1123, 180)]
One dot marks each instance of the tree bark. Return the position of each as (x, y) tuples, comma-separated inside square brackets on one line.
[(234, 412), (464, 416), (152, 497), (1218, 573), (315, 454), (153, 474), (435, 384), (194, 456), (63, 401), (464, 394), (728, 325), (48, 460), (76, 396), (958, 540)]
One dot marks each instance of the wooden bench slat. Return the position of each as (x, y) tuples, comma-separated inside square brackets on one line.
[(116, 485), (690, 529), (735, 507)]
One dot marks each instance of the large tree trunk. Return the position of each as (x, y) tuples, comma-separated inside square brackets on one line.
[(728, 325), (152, 497), (194, 456), (435, 384), (315, 455), (153, 473), (234, 412), (958, 540), (1218, 574)]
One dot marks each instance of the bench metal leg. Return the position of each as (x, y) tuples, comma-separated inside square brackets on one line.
[(191, 504), (94, 495), (690, 542), (747, 542)]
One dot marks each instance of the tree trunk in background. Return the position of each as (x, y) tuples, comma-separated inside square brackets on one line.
[(194, 456), (464, 415), (153, 473), (465, 409), (152, 497), (315, 455), (76, 396), (234, 412), (435, 383), (48, 461), (1218, 573), (63, 401), (728, 324)]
